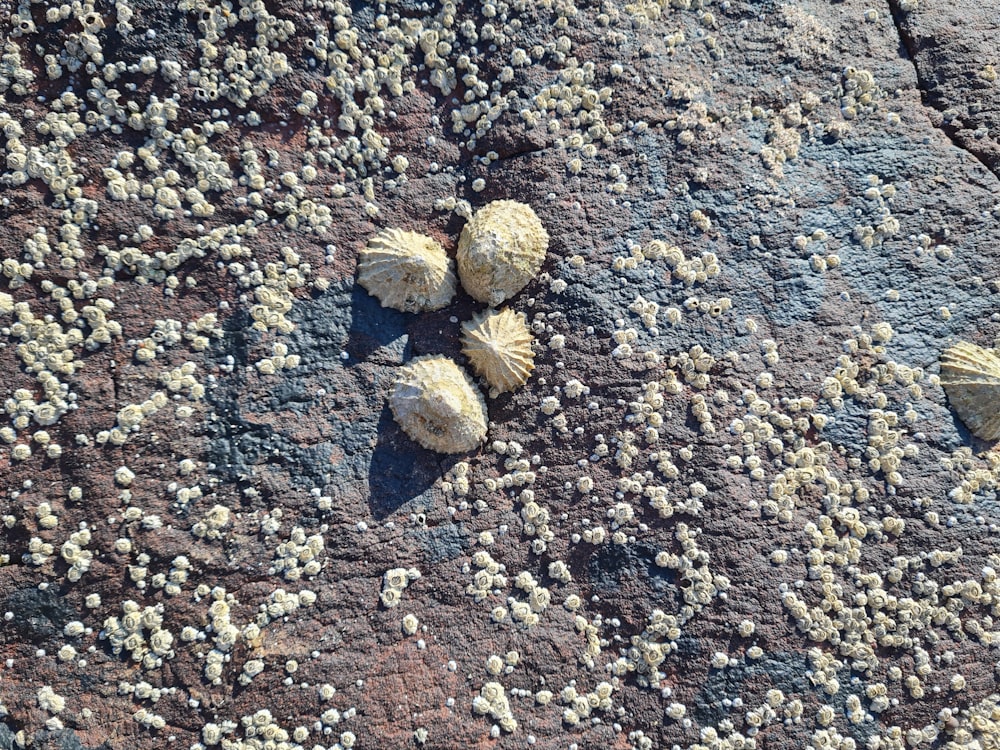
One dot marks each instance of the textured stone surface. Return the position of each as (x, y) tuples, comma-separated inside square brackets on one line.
[(766, 222)]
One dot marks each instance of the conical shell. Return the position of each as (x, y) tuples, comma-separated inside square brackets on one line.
[(971, 378), (407, 271), (500, 250), (498, 344), (437, 404)]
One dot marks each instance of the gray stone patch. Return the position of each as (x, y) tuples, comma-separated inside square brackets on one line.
[(443, 543), (786, 672)]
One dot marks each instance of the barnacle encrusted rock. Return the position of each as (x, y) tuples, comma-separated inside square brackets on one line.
[(437, 404), (970, 375), (500, 250), (407, 271), (498, 344)]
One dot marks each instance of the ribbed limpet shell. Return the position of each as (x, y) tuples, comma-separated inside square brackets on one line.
[(500, 250), (970, 375), (437, 404), (498, 344), (407, 271)]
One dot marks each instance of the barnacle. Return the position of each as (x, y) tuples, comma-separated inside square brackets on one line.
[(407, 271), (500, 250), (437, 404), (498, 344), (970, 375)]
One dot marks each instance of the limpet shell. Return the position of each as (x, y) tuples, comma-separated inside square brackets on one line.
[(500, 250), (407, 271), (437, 404), (970, 376), (498, 344)]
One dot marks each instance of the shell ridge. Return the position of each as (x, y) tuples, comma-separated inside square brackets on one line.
[(498, 345), (406, 271), (500, 250), (970, 376), (418, 402)]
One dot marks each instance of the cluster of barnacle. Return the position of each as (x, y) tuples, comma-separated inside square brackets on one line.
[(177, 380), (589, 629), (74, 553), (579, 706), (456, 480), (227, 635), (894, 608), (49, 700), (775, 708), (500, 250), (490, 578), (211, 525), (261, 729), (39, 551), (493, 700), (536, 521), (689, 271), (649, 649), (299, 555), (129, 633), (886, 226), (168, 332), (171, 581), (394, 582), (538, 599)]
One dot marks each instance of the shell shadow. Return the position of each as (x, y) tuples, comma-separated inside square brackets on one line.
[(399, 471), (372, 328)]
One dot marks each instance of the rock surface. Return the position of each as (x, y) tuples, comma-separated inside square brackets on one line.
[(730, 508)]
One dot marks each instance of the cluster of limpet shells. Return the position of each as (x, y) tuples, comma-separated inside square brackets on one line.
[(500, 250), (970, 376)]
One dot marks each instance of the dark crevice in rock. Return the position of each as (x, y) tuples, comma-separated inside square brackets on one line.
[(926, 85)]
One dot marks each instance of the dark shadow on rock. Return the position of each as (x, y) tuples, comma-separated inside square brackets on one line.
[(40, 614), (237, 335), (372, 326), (235, 445), (445, 542), (63, 739), (399, 471), (344, 318), (612, 563), (963, 437)]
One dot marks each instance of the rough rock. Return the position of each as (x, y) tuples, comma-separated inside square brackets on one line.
[(730, 508)]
